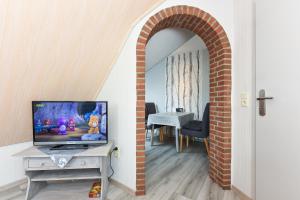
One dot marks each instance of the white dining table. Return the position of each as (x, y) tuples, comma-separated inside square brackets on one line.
[(175, 119)]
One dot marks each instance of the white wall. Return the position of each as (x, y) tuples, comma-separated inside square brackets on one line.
[(120, 92), (155, 85), (195, 43), (120, 87), (243, 156), (11, 168), (173, 38), (205, 79)]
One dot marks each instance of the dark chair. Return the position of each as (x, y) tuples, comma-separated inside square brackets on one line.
[(150, 108), (196, 128), (179, 109)]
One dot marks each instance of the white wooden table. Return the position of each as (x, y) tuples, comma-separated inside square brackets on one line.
[(92, 163), (175, 119)]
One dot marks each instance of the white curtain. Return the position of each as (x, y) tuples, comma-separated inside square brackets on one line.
[(187, 82)]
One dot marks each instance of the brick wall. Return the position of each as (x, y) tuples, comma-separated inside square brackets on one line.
[(215, 38)]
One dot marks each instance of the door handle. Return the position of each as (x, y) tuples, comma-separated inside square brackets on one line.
[(262, 102), (264, 98)]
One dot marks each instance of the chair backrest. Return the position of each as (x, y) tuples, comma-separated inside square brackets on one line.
[(205, 120), (149, 109), (179, 109)]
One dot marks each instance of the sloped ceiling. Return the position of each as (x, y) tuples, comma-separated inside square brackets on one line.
[(57, 50), (164, 43)]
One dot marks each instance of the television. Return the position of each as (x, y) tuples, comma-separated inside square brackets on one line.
[(69, 122)]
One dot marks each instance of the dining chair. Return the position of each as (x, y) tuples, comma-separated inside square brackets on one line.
[(150, 108), (179, 109), (196, 129)]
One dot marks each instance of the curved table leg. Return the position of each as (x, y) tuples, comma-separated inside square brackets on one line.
[(33, 188)]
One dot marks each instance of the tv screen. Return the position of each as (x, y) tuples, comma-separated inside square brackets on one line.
[(69, 122)]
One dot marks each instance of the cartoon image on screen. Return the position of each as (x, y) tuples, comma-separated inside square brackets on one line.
[(69, 121)]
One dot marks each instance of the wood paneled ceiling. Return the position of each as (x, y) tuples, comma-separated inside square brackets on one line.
[(57, 50)]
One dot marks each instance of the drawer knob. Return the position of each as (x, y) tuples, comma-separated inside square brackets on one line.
[(42, 164), (83, 163)]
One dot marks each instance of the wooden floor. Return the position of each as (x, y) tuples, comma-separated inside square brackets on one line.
[(169, 176)]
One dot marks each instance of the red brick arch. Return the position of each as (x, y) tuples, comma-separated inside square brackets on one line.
[(216, 40)]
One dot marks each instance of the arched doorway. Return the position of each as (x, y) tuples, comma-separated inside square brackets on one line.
[(216, 40)]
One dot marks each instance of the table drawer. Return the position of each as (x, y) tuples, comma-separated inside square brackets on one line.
[(39, 163), (86, 162), (75, 163)]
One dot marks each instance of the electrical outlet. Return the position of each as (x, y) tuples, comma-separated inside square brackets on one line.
[(117, 153)]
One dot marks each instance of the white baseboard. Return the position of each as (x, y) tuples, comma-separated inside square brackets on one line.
[(239, 193), (22, 184), (122, 187), (15, 185), (14, 189)]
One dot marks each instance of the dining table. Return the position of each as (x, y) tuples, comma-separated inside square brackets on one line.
[(173, 119)]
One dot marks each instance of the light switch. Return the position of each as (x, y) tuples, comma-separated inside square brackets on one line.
[(244, 100)]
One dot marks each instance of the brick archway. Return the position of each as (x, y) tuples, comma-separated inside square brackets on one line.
[(216, 40)]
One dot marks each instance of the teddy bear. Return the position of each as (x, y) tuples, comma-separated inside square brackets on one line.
[(93, 124)]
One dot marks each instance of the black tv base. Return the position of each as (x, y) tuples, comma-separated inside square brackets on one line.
[(69, 147)]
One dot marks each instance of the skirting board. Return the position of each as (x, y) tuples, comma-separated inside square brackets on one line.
[(22, 184), (239, 193), (122, 187), (13, 189)]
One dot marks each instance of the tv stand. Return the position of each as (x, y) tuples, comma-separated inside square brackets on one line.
[(91, 164), (70, 147)]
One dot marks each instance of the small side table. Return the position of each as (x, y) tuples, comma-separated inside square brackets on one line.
[(92, 163)]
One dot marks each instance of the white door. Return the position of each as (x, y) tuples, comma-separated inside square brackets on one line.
[(278, 72)]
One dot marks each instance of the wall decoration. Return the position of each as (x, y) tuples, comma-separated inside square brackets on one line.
[(186, 84)]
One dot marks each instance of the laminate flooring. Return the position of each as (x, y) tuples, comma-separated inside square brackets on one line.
[(169, 176)]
